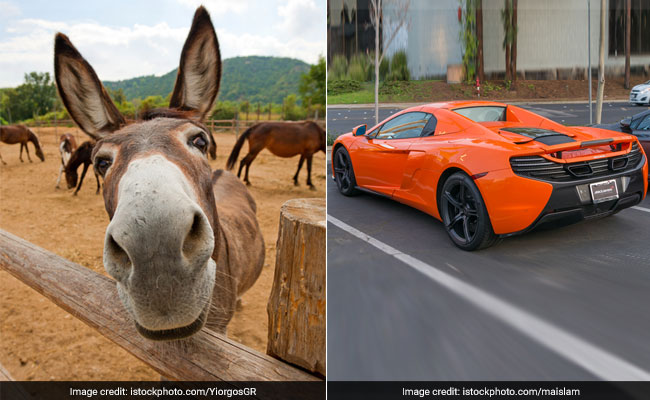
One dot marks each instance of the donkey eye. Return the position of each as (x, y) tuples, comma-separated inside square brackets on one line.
[(102, 165), (199, 142)]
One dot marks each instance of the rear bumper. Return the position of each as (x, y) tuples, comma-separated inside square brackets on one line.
[(571, 202)]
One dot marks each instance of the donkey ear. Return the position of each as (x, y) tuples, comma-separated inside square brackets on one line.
[(199, 73), (82, 92)]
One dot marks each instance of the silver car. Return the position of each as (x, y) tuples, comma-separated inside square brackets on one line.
[(640, 94)]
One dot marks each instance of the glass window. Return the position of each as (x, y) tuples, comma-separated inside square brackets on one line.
[(430, 127), (483, 113), (645, 124), (637, 121), (405, 126)]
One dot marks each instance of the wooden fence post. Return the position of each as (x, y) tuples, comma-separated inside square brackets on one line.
[(297, 303)]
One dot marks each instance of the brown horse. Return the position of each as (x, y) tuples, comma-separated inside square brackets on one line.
[(83, 155), (183, 242), (67, 146), (284, 139), (12, 134)]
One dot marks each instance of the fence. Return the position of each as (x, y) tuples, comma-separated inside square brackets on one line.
[(83, 293)]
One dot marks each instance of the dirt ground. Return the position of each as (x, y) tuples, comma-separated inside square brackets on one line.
[(39, 341)]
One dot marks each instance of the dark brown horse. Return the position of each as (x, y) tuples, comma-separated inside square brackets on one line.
[(284, 139), (83, 155), (12, 134), (67, 146)]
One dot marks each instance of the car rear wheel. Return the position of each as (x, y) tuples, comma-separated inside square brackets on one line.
[(464, 214), (344, 172)]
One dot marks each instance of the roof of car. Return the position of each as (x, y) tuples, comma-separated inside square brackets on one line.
[(449, 105), (641, 114)]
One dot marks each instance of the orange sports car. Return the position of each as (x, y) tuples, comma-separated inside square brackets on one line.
[(489, 170)]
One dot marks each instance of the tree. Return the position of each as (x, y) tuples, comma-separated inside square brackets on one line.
[(312, 84), (152, 102), (5, 106), (479, 40), (40, 90), (245, 107), (469, 38), (117, 95), (601, 64), (377, 21), (509, 19), (34, 97), (628, 23)]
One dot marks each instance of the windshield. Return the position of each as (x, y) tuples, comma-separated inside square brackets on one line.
[(483, 113)]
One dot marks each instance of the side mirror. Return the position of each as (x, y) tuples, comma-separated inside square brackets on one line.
[(359, 130), (625, 124)]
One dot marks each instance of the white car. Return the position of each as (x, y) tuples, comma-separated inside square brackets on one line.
[(640, 94)]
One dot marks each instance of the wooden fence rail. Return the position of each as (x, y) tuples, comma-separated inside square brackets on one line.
[(93, 299)]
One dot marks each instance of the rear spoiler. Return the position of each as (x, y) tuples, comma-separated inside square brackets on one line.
[(577, 145)]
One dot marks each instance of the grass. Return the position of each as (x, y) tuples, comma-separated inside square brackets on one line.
[(364, 96), (399, 91)]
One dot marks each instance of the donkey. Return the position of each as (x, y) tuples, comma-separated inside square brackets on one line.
[(67, 146), (12, 134), (284, 139), (183, 243), (83, 155)]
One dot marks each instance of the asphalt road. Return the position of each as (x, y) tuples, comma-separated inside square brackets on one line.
[(406, 304), (342, 120)]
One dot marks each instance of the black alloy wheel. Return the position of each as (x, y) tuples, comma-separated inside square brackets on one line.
[(344, 173), (464, 214)]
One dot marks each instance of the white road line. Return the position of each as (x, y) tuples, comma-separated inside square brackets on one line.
[(600, 362), (641, 208)]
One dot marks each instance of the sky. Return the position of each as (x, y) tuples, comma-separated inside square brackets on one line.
[(124, 39)]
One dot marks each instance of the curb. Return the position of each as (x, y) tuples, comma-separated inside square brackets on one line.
[(515, 102)]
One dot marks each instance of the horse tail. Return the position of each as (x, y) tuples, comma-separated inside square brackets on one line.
[(232, 159)]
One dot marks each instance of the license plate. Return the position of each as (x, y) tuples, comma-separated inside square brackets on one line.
[(604, 191)]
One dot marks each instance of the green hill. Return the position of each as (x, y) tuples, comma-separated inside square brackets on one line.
[(253, 78)]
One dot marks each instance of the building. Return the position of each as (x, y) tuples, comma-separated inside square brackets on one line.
[(552, 39)]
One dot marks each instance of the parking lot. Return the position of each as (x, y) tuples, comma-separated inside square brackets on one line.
[(562, 304)]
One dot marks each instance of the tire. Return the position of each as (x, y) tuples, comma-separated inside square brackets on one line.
[(464, 215), (344, 172)]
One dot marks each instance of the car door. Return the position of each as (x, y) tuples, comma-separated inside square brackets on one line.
[(381, 157), (641, 129)]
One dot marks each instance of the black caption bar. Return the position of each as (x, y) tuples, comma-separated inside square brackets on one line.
[(492, 390), (162, 390)]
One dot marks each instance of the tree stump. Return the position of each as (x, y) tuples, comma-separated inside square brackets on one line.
[(296, 306)]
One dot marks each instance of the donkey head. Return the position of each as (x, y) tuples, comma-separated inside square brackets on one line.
[(162, 240)]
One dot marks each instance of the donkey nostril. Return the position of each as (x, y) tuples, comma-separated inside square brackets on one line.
[(194, 235), (116, 252), (196, 225)]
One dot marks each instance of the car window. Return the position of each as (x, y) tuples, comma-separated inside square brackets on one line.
[(430, 127), (483, 113), (644, 125), (404, 126)]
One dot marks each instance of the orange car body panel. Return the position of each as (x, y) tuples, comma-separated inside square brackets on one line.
[(409, 170)]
